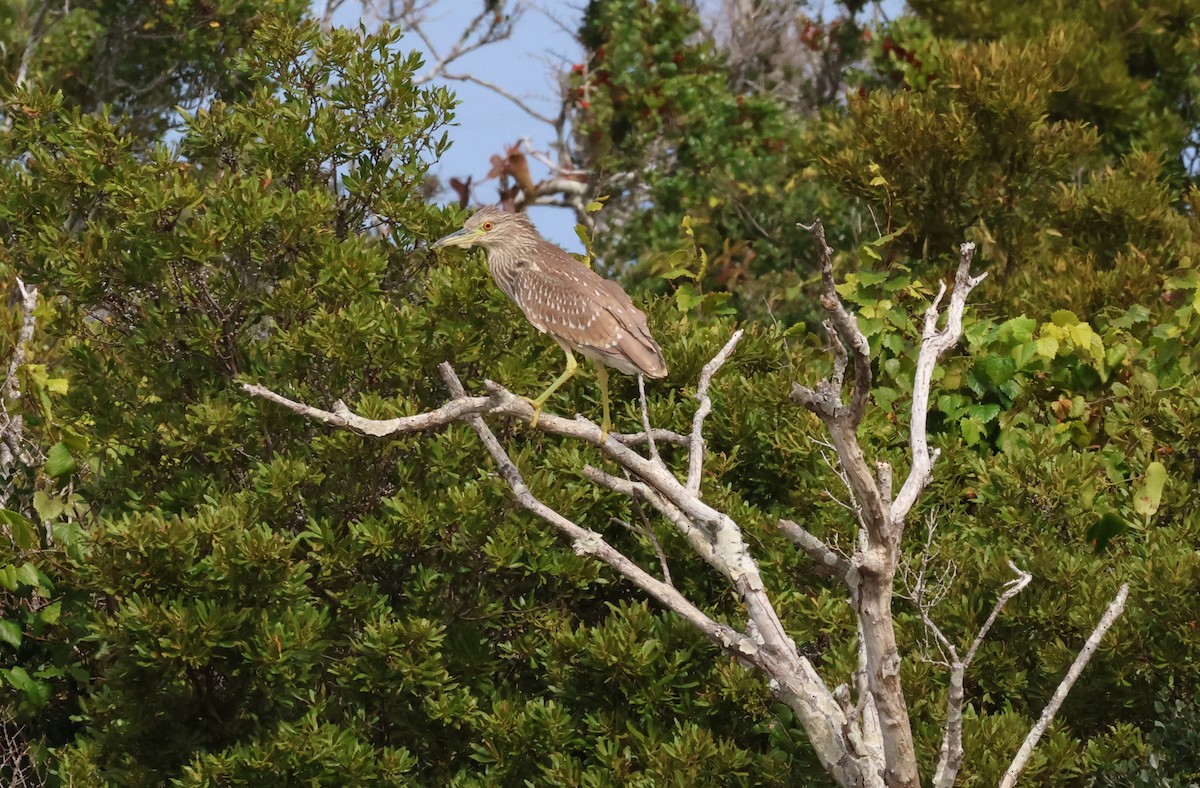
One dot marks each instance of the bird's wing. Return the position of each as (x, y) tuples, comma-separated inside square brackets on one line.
[(585, 311)]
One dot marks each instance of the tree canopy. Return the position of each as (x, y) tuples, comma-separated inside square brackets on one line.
[(199, 588)]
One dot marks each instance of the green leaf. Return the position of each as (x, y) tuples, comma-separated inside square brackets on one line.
[(1024, 353), (18, 677), (23, 531), (27, 573), (582, 233), (1149, 497), (1047, 347), (50, 613), (869, 278), (59, 461), (983, 413), (1064, 317), (971, 429), (47, 508), (687, 298), (997, 369), (38, 692), (10, 633), (1018, 329)]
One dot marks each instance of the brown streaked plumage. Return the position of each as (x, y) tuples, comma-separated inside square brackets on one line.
[(561, 297)]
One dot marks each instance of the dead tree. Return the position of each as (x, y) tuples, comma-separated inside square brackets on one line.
[(860, 729)]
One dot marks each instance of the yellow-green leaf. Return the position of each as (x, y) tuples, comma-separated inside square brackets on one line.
[(1149, 497)]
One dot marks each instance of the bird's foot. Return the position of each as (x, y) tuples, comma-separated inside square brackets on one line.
[(537, 410), (605, 428)]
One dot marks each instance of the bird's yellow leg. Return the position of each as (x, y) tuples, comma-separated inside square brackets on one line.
[(561, 379), (602, 377)]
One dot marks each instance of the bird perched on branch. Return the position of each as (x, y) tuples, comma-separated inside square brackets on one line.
[(564, 298)]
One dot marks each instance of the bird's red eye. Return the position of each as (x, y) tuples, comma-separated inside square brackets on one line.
[(488, 226)]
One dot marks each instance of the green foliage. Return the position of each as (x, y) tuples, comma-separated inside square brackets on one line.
[(200, 588), (1130, 70), (671, 137), (256, 600), (1164, 756), (975, 146), (143, 58)]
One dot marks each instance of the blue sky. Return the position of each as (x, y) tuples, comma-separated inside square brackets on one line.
[(525, 65), (485, 121)]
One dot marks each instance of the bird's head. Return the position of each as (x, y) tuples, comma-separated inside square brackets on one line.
[(487, 227)]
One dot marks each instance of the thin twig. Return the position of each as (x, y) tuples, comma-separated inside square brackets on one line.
[(11, 390), (647, 532), (591, 543), (649, 433), (519, 102), (696, 459), (1085, 654)]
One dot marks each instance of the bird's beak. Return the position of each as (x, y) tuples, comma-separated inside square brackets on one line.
[(463, 237)]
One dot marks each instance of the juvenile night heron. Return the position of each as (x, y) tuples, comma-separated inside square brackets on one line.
[(561, 297)]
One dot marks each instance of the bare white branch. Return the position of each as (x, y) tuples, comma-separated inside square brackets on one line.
[(11, 389), (35, 37), (696, 458), (1085, 655), (700, 541), (934, 343), (454, 410), (713, 534), (331, 7), (12, 427), (950, 757), (341, 416), (589, 542), (825, 557)]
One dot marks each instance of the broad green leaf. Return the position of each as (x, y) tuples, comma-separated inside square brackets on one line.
[(23, 532), (50, 613), (997, 369), (18, 677), (10, 633), (47, 508), (1018, 329), (972, 430), (27, 573), (1148, 498), (59, 461), (1064, 317), (1024, 353), (1047, 347), (873, 277), (37, 691), (687, 298), (983, 413)]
